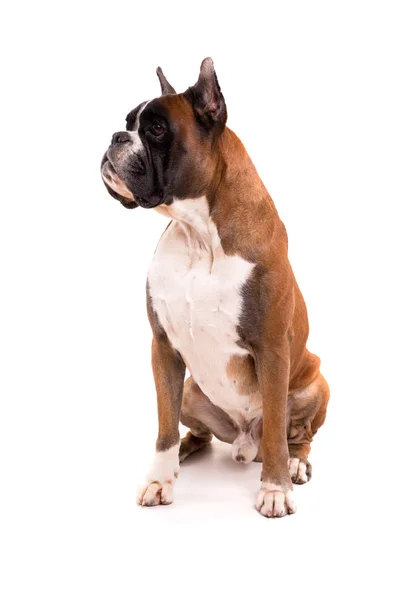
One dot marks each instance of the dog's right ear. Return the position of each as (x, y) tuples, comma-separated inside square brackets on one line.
[(166, 87)]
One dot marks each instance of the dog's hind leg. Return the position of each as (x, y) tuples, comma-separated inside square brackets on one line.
[(204, 420), (307, 411)]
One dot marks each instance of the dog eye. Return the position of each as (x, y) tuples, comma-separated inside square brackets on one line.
[(157, 129)]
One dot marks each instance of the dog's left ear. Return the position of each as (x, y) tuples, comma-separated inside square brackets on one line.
[(166, 87), (208, 101)]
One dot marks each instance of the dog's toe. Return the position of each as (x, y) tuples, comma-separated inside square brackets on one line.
[(300, 471), (274, 502)]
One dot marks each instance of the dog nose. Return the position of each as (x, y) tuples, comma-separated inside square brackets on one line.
[(120, 137)]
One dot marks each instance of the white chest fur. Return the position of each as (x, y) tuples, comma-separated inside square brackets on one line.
[(196, 292)]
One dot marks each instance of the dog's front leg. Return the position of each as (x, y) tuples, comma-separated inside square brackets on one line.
[(275, 497), (169, 374)]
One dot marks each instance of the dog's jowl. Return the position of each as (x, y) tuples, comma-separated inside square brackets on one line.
[(222, 299)]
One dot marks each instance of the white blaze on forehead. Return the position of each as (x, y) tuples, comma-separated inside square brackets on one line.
[(137, 120), (136, 141)]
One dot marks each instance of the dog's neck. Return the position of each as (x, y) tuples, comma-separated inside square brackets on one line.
[(194, 218), (226, 200), (238, 175)]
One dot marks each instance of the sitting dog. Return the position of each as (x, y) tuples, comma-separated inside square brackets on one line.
[(222, 298)]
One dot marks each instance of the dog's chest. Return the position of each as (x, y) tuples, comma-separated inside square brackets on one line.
[(195, 290)]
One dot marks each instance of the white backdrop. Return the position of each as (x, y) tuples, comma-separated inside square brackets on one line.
[(312, 89)]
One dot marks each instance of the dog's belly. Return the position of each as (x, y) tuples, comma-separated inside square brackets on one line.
[(196, 294)]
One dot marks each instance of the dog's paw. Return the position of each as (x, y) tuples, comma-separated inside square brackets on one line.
[(154, 493), (244, 448), (300, 471), (159, 485), (272, 501)]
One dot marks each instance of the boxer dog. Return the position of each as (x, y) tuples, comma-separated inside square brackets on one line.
[(222, 298)]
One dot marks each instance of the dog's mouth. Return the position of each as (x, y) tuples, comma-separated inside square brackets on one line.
[(121, 191), (113, 180)]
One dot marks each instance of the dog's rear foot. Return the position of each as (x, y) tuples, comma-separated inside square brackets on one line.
[(191, 443), (300, 470), (244, 448)]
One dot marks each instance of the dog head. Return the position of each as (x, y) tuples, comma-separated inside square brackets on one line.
[(166, 150)]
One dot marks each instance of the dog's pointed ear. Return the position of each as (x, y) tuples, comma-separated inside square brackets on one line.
[(209, 102), (166, 87)]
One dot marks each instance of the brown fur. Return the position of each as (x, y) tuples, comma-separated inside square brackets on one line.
[(241, 370), (169, 373), (273, 326), (191, 154), (204, 418), (274, 323), (307, 414)]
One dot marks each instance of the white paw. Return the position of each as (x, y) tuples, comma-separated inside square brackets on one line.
[(159, 486), (298, 470), (272, 501), (154, 493)]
